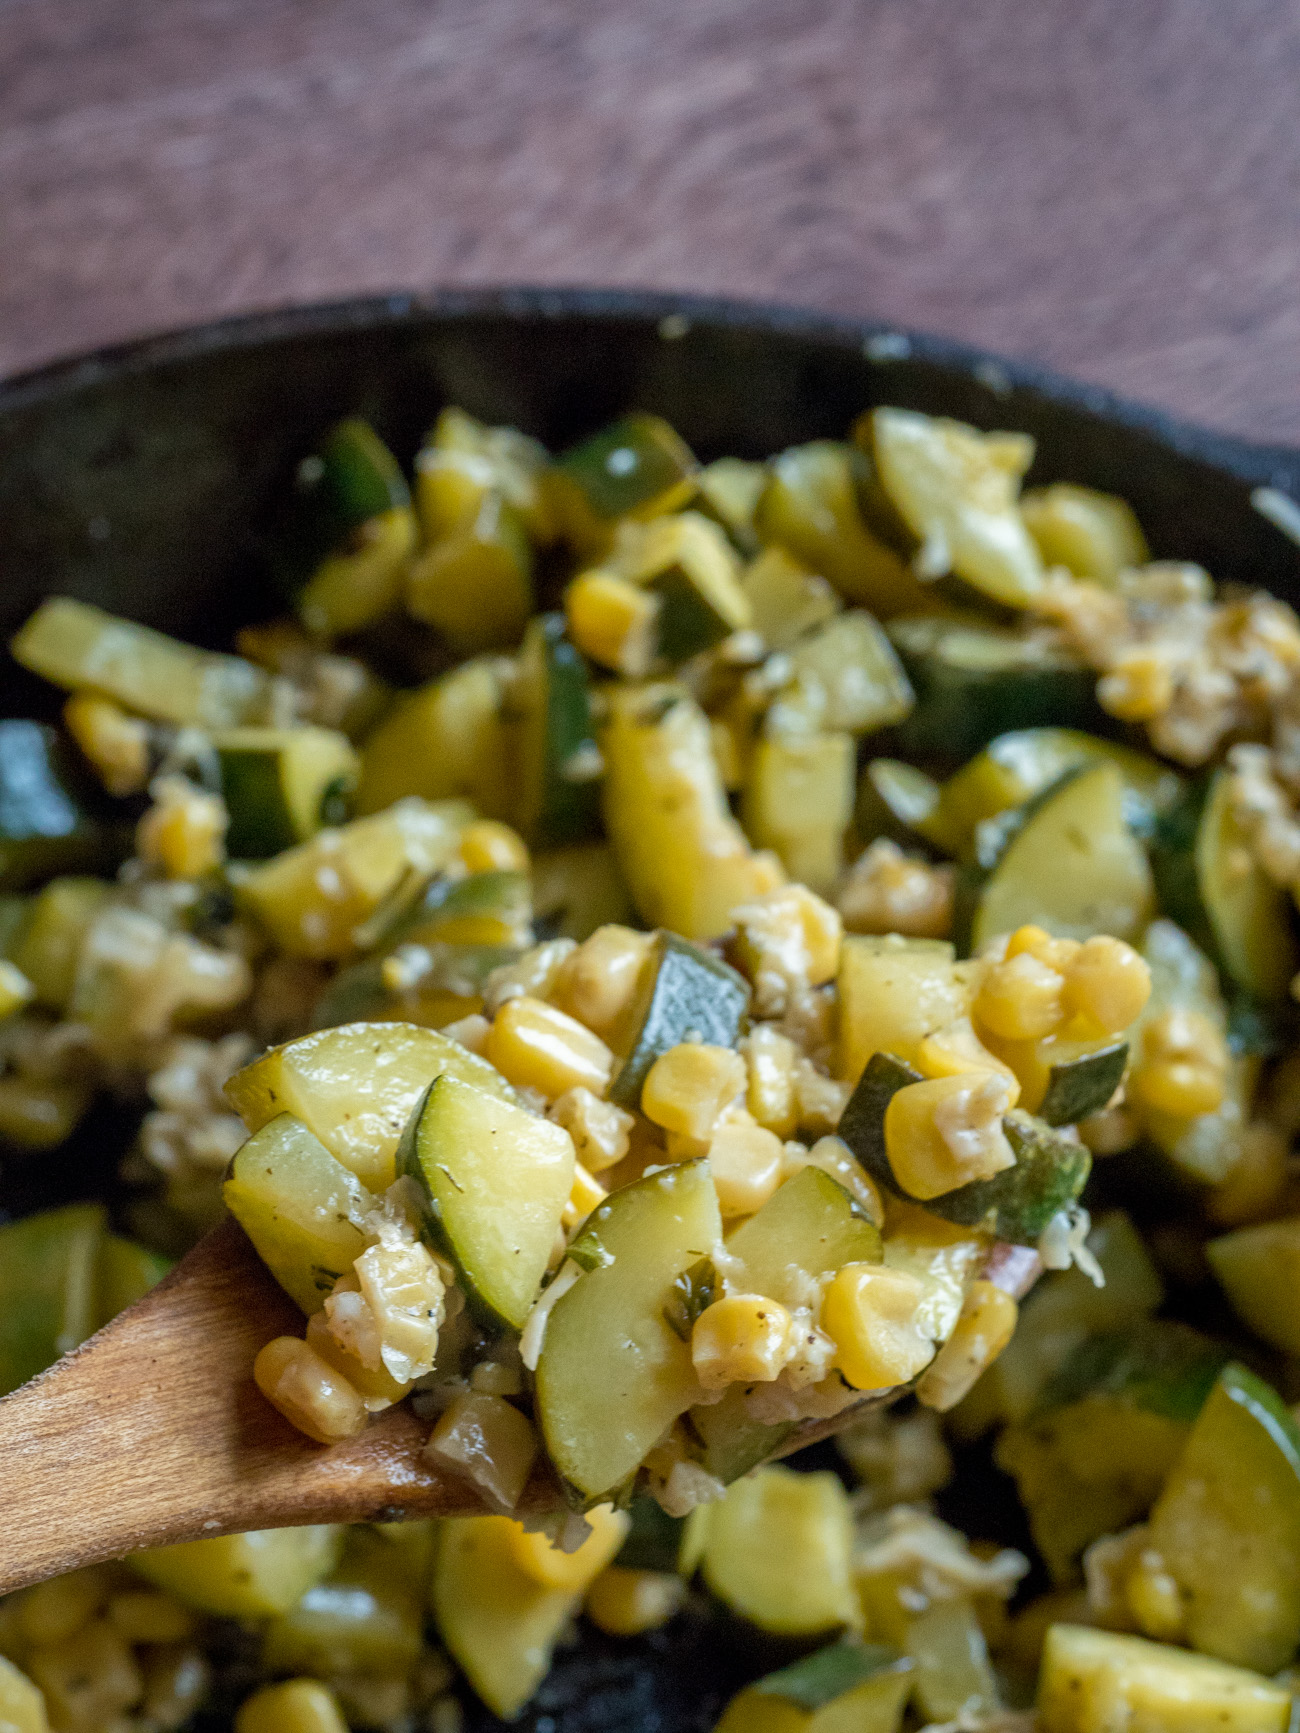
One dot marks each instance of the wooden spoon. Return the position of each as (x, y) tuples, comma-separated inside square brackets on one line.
[(153, 1431)]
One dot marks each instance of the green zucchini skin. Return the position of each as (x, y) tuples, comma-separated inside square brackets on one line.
[(626, 465), (494, 1179), (691, 992), (654, 1541), (48, 822), (351, 478), (1187, 849), (1084, 1085), (973, 682), (1016, 1204), (1164, 1367), (558, 726)]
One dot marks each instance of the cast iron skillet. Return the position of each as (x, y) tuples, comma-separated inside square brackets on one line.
[(141, 478)]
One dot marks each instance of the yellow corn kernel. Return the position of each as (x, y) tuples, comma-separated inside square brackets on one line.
[(51, 1611), (1021, 998), (539, 1047), (626, 1603), (585, 1194), (375, 1385), (489, 1442), (1107, 983), (487, 846), (15, 989), (956, 1050), (114, 741), (986, 1325), (601, 1132), (1183, 1065), (870, 1314), (598, 982), (613, 621), (297, 1706), (1154, 1599), (309, 1393), (146, 1616), (573, 1571), (184, 830), (746, 1162), (771, 1059), (1139, 686), (743, 1339), (947, 1131), (687, 1087), (1058, 954)]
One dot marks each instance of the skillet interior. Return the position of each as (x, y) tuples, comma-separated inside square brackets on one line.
[(141, 480)]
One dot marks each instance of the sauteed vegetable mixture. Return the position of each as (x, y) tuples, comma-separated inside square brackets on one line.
[(660, 958)]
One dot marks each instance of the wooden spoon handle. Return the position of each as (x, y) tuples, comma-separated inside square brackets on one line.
[(153, 1432)]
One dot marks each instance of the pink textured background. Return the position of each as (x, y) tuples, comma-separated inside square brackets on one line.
[(1112, 186)]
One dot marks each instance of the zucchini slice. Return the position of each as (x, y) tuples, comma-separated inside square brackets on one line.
[(798, 801), (1107, 1428), (81, 648), (445, 740), (576, 890), (1063, 1309), (1094, 1680), (898, 801), (498, 1622), (685, 994), (1015, 767), (366, 1616), (126, 1273), (952, 1678), (845, 675), (356, 1087), (1227, 1525), (613, 1375), (974, 681), (48, 1267), (778, 1552), (351, 478), (495, 1179), (244, 1576), (1209, 884), (728, 490), (734, 1442), (809, 1224), (558, 761), (476, 584), (956, 491), (861, 1687), (786, 599), (686, 861), (48, 943), (299, 1206), (689, 564), (1258, 1267), (810, 508), (343, 545), (1094, 535), (637, 467), (1082, 1083), (1066, 861), (515, 463), (892, 993), (282, 785), (48, 823), (316, 899), (1016, 1204)]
